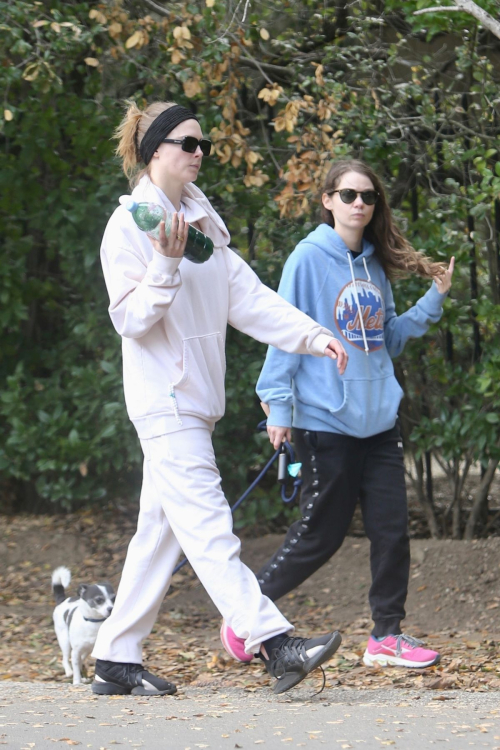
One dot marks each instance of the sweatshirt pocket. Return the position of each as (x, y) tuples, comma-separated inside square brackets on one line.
[(368, 406), (200, 389)]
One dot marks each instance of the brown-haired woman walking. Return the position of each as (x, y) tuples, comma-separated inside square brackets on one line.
[(172, 316), (345, 426)]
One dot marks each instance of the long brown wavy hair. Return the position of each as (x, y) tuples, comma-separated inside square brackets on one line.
[(397, 257)]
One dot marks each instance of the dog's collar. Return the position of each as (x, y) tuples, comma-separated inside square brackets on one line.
[(89, 619)]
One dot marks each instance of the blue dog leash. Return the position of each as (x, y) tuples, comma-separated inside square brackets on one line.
[(286, 467)]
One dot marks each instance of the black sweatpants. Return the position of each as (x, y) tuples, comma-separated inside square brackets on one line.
[(337, 471)]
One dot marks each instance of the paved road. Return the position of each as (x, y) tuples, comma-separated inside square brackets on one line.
[(55, 715)]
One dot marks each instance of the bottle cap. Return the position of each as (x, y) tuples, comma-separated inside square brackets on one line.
[(127, 201)]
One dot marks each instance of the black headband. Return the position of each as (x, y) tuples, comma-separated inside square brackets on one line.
[(161, 127)]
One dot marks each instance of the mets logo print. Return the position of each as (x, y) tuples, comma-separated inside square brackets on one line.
[(347, 319)]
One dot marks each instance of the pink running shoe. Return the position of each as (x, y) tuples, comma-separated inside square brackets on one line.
[(399, 651), (234, 646)]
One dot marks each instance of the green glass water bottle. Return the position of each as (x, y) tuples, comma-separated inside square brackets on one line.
[(148, 216)]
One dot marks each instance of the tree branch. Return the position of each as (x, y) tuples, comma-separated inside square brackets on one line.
[(218, 39), (278, 69), (437, 9), (156, 7), (467, 6), (247, 58)]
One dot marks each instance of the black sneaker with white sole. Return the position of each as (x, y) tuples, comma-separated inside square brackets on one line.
[(295, 658), (113, 678)]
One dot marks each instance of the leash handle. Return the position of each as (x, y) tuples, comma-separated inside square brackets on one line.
[(289, 454), (286, 456)]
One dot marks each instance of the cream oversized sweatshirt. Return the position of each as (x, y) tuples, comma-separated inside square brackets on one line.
[(172, 316)]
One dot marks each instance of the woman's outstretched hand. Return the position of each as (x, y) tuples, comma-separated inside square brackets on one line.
[(443, 282), (335, 350), (174, 245)]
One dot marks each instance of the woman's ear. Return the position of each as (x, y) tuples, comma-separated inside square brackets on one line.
[(327, 201)]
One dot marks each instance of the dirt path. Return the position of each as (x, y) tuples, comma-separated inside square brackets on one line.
[(454, 602)]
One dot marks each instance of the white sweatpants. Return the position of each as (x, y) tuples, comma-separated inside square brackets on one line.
[(183, 507)]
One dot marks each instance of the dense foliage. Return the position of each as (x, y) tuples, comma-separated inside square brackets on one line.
[(282, 88)]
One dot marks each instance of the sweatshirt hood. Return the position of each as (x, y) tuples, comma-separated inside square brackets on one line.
[(198, 209), (326, 238)]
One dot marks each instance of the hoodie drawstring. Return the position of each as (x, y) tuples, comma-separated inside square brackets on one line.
[(360, 312), (174, 403), (366, 269)]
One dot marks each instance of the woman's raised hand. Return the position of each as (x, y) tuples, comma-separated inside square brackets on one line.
[(174, 245), (443, 282)]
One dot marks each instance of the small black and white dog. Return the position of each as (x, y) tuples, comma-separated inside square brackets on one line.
[(77, 619)]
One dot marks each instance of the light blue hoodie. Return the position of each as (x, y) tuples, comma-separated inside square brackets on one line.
[(353, 297)]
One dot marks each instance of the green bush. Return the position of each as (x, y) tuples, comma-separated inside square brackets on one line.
[(279, 104)]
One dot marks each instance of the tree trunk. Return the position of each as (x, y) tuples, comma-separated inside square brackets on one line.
[(455, 507), (425, 410), (406, 420), (425, 501), (474, 290), (251, 240), (497, 239), (493, 270), (480, 498), (456, 530)]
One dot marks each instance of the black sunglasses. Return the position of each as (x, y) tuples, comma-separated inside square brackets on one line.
[(348, 195), (189, 143)]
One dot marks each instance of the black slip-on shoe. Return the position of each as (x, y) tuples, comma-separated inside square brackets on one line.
[(295, 658), (113, 678)]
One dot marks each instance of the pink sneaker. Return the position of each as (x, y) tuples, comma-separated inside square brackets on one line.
[(399, 651), (234, 646)]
